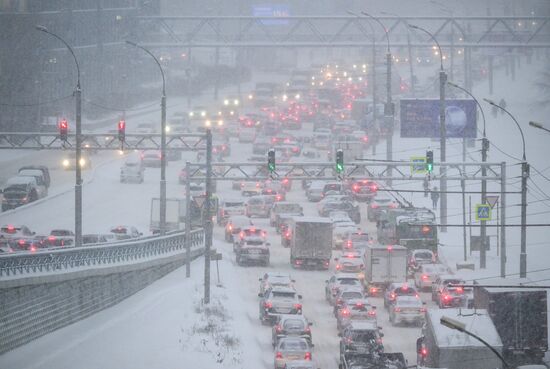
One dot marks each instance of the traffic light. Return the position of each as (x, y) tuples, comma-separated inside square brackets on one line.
[(429, 161), (63, 129), (271, 160), (339, 161), (121, 130)]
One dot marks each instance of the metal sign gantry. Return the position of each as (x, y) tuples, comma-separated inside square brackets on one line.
[(344, 31), (101, 141)]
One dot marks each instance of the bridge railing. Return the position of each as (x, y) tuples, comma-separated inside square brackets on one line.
[(65, 259)]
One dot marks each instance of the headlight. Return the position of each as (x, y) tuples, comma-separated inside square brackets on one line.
[(203, 114), (220, 122), (82, 162), (65, 162), (167, 129), (191, 114), (236, 102), (207, 123), (225, 102)]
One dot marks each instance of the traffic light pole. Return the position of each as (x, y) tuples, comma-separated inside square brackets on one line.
[(78, 170), (187, 220), (388, 116), (483, 231), (163, 164), (443, 147), (523, 253)]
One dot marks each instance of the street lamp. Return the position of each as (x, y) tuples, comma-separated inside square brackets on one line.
[(374, 97), (78, 143), (484, 149), (524, 177), (539, 126), (388, 109), (162, 142), (461, 327), (442, 133)]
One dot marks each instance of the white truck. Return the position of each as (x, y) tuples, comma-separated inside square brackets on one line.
[(311, 242), (352, 148), (384, 264), (175, 214)]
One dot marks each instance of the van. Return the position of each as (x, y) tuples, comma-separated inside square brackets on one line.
[(132, 171)]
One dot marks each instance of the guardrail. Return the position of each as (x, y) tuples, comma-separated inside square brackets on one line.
[(43, 292), (68, 259)]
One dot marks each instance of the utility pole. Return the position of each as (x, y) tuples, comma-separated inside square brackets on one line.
[(207, 219), (187, 219), (503, 220)]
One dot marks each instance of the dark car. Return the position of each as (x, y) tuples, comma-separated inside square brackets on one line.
[(291, 325)]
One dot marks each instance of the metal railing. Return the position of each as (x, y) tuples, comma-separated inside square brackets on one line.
[(100, 255)]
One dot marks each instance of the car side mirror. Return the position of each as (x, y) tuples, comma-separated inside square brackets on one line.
[(299, 296), (259, 279), (310, 324), (380, 328), (293, 280), (373, 307), (260, 295)]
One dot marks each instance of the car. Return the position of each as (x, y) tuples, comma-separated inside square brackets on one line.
[(290, 326), (351, 208), (356, 241), (228, 208), (69, 161), (284, 208), (332, 186), (455, 296), (398, 289), (252, 250), (277, 195), (45, 172), (246, 233), (40, 183), (347, 293), (354, 309), (291, 349), (364, 190), (340, 231), (418, 257), (151, 158), (441, 282), (338, 281), (14, 231), (332, 197), (122, 232), (259, 206), (273, 279), (93, 238), (279, 300), (19, 191), (285, 230), (307, 364), (349, 263), (427, 273), (378, 204), (221, 149), (361, 336), (26, 243), (197, 189), (234, 225), (132, 171), (407, 309), (198, 113), (315, 191), (60, 237), (250, 188)]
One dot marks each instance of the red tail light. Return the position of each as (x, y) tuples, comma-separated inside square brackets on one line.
[(279, 355), (268, 305), (374, 206), (397, 310), (298, 306), (21, 242), (11, 229), (424, 352), (285, 180), (446, 297), (338, 267), (51, 238), (33, 248), (230, 227), (459, 290), (373, 290), (392, 296), (307, 330), (372, 313), (365, 139), (307, 356), (426, 229), (355, 187), (393, 205), (422, 310), (298, 262), (424, 277), (278, 328), (345, 312), (390, 248)]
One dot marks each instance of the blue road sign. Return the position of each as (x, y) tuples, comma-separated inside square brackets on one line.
[(483, 212)]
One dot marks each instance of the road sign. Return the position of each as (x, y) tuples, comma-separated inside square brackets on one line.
[(491, 200), (199, 200), (418, 164), (483, 212), (216, 257)]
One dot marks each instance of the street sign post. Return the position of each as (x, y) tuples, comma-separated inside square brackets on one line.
[(483, 212), (418, 164)]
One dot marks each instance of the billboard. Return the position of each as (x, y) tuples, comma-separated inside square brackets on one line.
[(271, 11), (420, 118)]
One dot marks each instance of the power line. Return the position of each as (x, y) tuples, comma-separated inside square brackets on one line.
[(37, 104)]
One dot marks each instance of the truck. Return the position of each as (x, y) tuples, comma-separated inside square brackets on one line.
[(414, 228), (443, 347), (384, 264), (311, 242), (520, 317)]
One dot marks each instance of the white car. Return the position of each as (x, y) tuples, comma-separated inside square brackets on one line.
[(151, 158), (251, 188), (125, 232), (132, 171), (427, 274), (341, 232), (407, 309)]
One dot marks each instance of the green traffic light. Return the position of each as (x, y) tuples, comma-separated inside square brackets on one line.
[(339, 168), (429, 167)]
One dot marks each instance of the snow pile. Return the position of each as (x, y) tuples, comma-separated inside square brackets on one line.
[(211, 335)]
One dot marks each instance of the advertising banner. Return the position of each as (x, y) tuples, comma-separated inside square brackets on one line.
[(420, 118)]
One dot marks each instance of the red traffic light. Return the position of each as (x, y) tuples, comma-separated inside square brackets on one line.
[(63, 129), (121, 129)]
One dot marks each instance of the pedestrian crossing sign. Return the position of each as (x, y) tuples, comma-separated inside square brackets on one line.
[(483, 212), (418, 164)]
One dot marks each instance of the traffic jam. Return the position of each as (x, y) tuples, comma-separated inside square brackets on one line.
[(348, 270)]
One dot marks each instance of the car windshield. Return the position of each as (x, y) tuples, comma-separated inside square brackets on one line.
[(348, 281), (254, 242), (294, 324), (289, 208), (252, 232), (423, 255), (234, 204), (364, 336), (293, 345), (283, 295), (409, 302), (348, 295)]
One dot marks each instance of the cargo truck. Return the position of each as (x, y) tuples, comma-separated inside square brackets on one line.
[(384, 265), (443, 347), (520, 317), (311, 242)]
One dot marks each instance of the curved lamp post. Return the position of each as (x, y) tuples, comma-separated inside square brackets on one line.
[(524, 177), (162, 141), (78, 142), (442, 133)]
